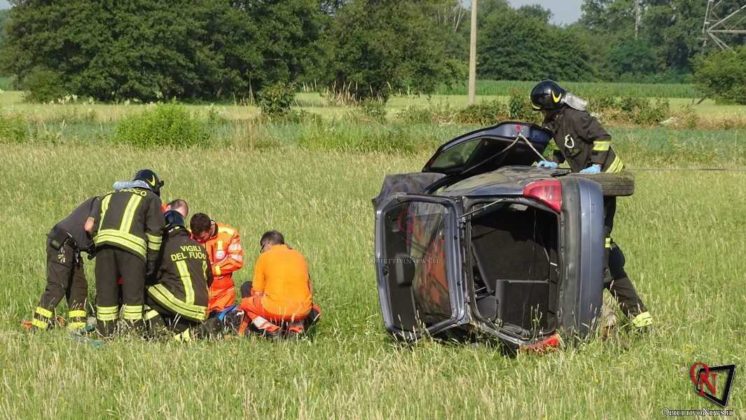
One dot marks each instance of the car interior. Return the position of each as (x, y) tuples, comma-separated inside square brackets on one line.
[(515, 267)]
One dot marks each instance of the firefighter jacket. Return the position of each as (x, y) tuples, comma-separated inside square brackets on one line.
[(226, 255), (582, 140), (131, 220), (183, 276)]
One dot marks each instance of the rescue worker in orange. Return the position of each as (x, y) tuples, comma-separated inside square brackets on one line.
[(280, 293), (223, 245)]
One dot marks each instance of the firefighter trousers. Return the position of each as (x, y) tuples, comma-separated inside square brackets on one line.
[(615, 278), (111, 264), (65, 278), (157, 317)]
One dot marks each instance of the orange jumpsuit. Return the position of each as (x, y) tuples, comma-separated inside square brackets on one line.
[(226, 256), (281, 289)]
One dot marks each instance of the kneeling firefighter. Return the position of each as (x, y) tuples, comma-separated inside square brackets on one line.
[(178, 299)]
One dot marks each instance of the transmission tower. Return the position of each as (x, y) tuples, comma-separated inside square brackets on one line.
[(724, 25)]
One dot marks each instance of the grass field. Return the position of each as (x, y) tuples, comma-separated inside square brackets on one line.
[(654, 90), (682, 232)]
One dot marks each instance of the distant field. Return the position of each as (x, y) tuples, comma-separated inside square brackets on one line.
[(654, 90), (11, 102), (680, 233)]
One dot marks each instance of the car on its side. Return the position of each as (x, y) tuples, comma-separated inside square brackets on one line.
[(482, 243)]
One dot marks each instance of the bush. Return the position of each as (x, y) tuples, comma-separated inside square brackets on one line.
[(374, 109), (722, 75), (357, 138), (485, 113), (440, 113), (43, 85), (13, 129), (276, 100), (165, 125), (644, 112), (519, 107)]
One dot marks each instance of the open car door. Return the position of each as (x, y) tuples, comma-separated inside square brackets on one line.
[(418, 265)]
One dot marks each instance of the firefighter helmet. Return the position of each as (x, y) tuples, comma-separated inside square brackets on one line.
[(150, 178), (174, 220), (547, 96)]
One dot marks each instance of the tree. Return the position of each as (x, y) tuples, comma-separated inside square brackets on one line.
[(377, 47), (722, 75), (522, 45), (158, 49)]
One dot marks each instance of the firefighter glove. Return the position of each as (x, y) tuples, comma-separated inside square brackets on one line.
[(547, 164), (593, 169)]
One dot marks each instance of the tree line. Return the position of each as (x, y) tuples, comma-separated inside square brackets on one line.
[(232, 49)]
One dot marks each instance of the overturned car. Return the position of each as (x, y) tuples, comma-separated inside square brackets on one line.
[(481, 243)]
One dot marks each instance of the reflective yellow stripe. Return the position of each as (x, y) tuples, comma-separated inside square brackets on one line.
[(107, 313), (132, 312), (75, 326), (76, 313), (154, 242), (217, 270), (46, 313), (184, 336), (104, 208), (165, 298), (643, 320), (150, 315), (129, 212), (123, 239), (39, 324), (608, 242), (616, 166), (186, 280), (601, 145)]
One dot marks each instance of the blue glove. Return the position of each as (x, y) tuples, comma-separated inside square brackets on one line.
[(547, 164), (593, 169)]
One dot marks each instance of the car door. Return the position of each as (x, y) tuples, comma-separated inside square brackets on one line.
[(418, 265)]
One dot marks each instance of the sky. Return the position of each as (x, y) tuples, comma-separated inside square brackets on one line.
[(563, 11)]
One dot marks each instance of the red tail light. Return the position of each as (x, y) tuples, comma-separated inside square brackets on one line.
[(548, 191)]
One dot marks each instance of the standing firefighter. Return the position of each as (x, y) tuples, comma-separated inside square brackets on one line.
[(586, 147), (128, 240), (179, 298), (65, 275), (223, 245)]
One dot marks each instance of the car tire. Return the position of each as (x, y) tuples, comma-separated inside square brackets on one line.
[(613, 185)]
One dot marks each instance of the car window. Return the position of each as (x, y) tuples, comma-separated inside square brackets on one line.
[(416, 232), (456, 156)]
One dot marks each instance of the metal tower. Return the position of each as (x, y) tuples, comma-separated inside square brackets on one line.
[(724, 26)]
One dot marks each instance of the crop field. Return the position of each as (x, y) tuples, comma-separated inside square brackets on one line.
[(683, 233)]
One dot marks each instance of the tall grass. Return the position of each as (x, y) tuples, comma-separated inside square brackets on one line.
[(680, 233)]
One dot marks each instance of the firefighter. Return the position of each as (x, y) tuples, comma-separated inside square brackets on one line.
[(128, 241), (586, 147), (179, 205), (280, 292), (178, 299), (223, 245), (65, 274)]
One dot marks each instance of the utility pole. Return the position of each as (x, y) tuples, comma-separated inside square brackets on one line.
[(638, 17), (473, 55)]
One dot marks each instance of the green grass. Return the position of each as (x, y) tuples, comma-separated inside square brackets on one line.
[(653, 90), (680, 233)]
